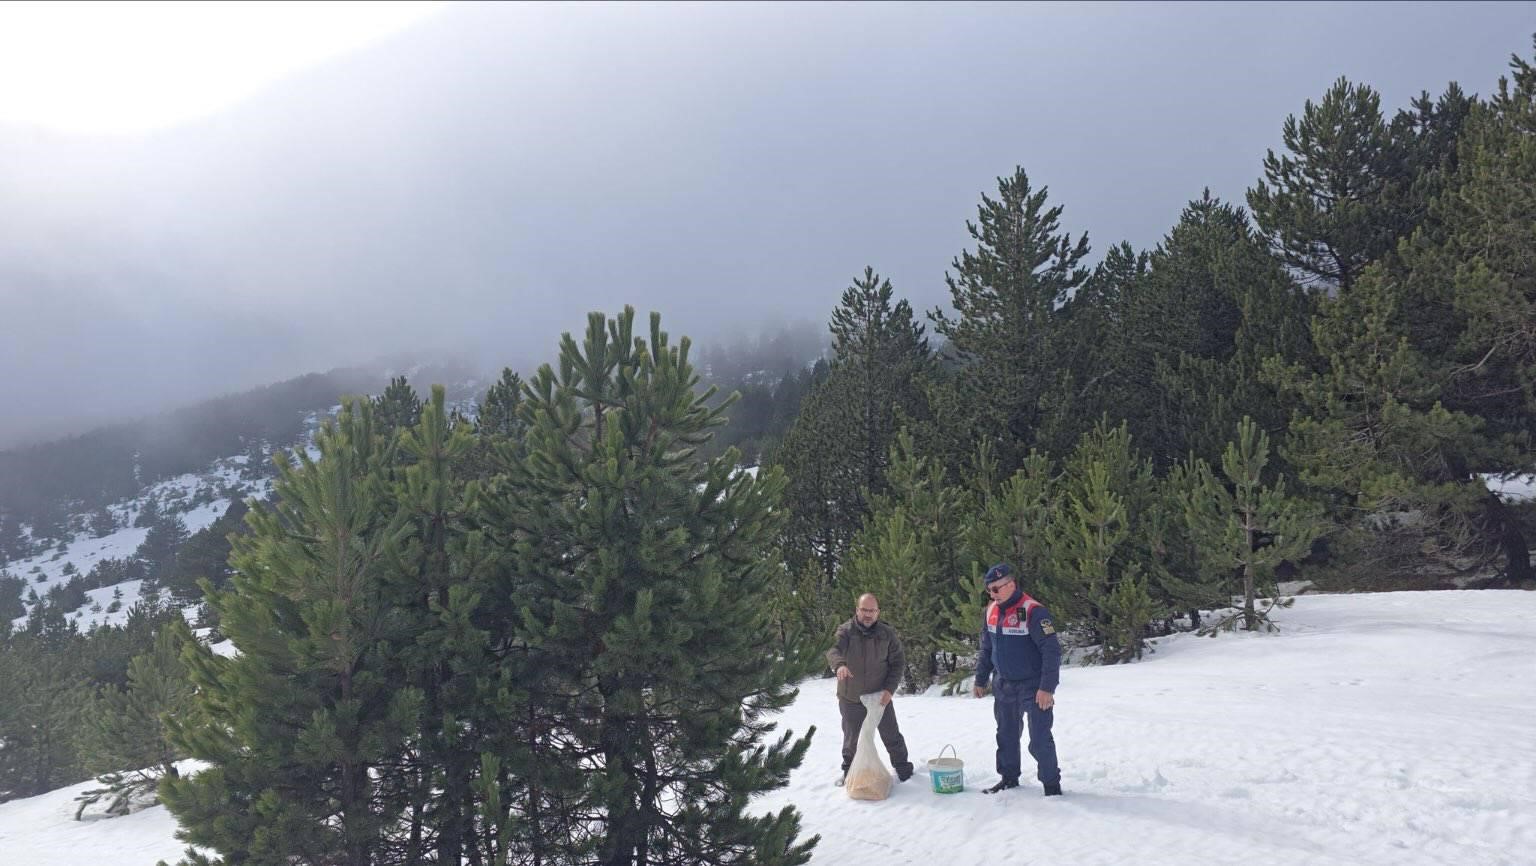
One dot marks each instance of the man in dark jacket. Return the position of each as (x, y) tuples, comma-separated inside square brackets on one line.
[(1019, 644), (867, 657)]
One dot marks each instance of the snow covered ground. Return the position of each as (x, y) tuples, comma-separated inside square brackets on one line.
[(1513, 488), (1374, 729)]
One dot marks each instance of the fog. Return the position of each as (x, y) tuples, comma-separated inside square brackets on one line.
[(478, 183)]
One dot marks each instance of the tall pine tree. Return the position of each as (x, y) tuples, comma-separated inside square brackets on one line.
[(1008, 296), (1334, 202), (646, 585)]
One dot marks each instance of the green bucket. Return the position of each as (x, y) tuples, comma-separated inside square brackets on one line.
[(948, 774)]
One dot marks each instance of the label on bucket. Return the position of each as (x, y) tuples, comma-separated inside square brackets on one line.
[(948, 775)]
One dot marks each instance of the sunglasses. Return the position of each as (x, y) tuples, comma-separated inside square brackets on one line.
[(995, 588)]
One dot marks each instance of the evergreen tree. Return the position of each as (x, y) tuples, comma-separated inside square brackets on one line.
[(825, 498), (837, 452), (1417, 396), (148, 514), (1426, 136), (445, 597), (1334, 202), (1009, 524), (1008, 296), (157, 554), (43, 682), (1368, 419), (397, 408), (1464, 301), (496, 423), (13, 545), (1102, 369), (497, 413), (124, 739), (204, 556), (1102, 561), (11, 606), (1244, 526), (102, 522), (880, 348), (303, 728), (646, 611), (1211, 309), (910, 555)]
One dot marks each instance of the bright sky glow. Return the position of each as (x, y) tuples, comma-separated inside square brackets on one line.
[(125, 68)]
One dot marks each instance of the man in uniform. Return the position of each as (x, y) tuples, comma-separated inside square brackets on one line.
[(1019, 646)]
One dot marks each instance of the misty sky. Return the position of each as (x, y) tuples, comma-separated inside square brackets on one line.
[(477, 183)]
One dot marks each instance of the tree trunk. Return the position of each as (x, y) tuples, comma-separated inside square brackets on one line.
[(1517, 553)]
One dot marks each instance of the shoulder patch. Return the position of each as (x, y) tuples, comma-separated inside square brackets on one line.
[(1046, 627)]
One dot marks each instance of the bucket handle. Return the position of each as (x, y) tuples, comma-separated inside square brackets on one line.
[(950, 747)]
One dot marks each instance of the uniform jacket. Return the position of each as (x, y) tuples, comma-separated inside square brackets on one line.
[(873, 655), (1018, 642)]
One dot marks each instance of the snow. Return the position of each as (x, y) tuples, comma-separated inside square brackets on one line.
[(1513, 488), (42, 831), (1372, 729)]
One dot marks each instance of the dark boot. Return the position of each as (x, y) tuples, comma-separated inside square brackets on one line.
[(1001, 786), (1053, 789), (903, 772)]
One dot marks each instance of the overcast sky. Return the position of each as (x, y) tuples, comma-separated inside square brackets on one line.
[(479, 181)]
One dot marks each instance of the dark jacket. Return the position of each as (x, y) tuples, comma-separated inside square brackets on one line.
[(873, 654), (1018, 642)]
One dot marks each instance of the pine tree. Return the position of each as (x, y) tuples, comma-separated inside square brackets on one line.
[(1426, 136), (837, 452), (1009, 524), (910, 556), (398, 408), (11, 606), (1102, 369), (42, 679), (205, 556), (302, 729), (157, 554), (1100, 545), (1335, 202), (1008, 296), (149, 513), (1471, 288), (124, 739), (497, 413), (1245, 526), (1213, 306), (102, 522), (444, 597), (646, 610), (880, 348), (1394, 457), (13, 545)]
